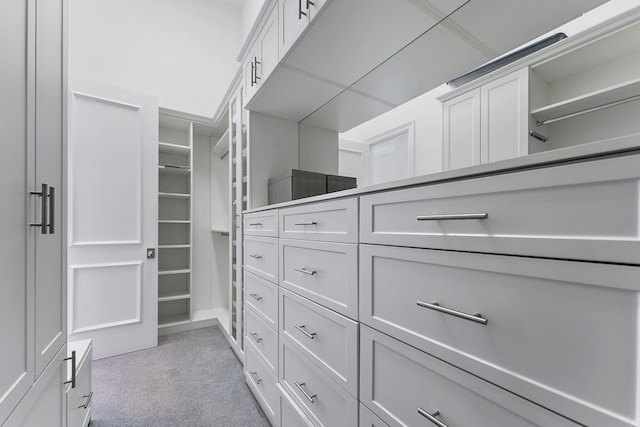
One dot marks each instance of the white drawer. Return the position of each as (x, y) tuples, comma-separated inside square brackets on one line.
[(262, 296), (261, 256), (326, 273), (263, 223), (79, 398), (290, 414), (262, 383), (399, 382), (332, 221), (264, 339), (324, 336), (551, 325), (369, 419), (325, 402), (583, 211)]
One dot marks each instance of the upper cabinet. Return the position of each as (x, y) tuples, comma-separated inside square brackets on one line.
[(263, 57), (344, 62)]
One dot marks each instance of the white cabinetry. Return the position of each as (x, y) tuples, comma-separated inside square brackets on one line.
[(80, 394), (263, 58), (295, 16), (488, 123), (33, 295)]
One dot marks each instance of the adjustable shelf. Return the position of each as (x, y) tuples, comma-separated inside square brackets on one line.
[(174, 170), (174, 271), (174, 149), (173, 296), (174, 195), (174, 320)]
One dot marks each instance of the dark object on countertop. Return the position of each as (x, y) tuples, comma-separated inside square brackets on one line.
[(339, 183), (296, 184)]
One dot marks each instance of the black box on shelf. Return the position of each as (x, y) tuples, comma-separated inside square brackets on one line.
[(339, 183), (296, 184)]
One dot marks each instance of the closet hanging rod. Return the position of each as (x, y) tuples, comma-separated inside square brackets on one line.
[(224, 155), (588, 110)]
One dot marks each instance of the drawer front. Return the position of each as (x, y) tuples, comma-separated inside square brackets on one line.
[(261, 257), (548, 332), (326, 273), (79, 398), (333, 221), (369, 419), (290, 414), (264, 339), (583, 211), (262, 296), (325, 337), (405, 386), (325, 402), (264, 223), (262, 383)]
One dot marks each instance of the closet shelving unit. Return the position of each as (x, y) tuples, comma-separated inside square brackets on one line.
[(175, 207)]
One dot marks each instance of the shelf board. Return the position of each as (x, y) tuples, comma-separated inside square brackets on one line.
[(244, 179), (183, 246), (174, 195), (167, 148), (173, 296), (175, 320), (220, 230), (171, 170), (174, 271), (587, 101), (174, 221), (245, 152)]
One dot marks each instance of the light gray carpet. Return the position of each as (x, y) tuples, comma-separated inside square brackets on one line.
[(191, 379)]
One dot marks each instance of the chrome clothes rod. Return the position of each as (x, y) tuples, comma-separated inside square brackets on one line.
[(588, 110)]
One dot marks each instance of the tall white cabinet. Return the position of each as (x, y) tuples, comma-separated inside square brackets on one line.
[(33, 295)]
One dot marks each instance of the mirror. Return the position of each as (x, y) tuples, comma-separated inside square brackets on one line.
[(405, 88)]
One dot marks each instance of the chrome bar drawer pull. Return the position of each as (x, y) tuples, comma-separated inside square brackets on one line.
[(306, 223), (255, 336), (256, 297), (72, 381), (437, 217), (300, 386), (254, 374), (255, 256), (305, 271), (437, 307), (86, 404), (432, 417), (52, 210), (310, 335), (255, 224), (44, 211)]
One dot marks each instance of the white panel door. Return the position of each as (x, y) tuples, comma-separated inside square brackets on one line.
[(16, 288), (113, 213), (461, 130), (50, 295)]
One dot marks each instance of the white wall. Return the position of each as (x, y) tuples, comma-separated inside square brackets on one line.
[(184, 52)]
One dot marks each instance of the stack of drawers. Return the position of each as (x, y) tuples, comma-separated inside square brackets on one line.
[(516, 299), (503, 300), (261, 309)]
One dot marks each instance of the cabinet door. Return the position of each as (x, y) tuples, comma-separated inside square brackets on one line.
[(291, 25), (268, 47), (50, 290), (504, 121), (314, 8), (16, 291), (461, 130)]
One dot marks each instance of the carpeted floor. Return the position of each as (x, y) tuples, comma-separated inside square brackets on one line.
[(191, 379)]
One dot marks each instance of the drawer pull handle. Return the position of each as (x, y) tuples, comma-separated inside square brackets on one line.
[(432, 417), (437, 307), (254, 375), (255, 336), (305, 271), (255, 224), (256, 297), (72, 381), (86, 403), (437, 217), (300, 386), (306, 223), (310, 335), (255, 256)]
